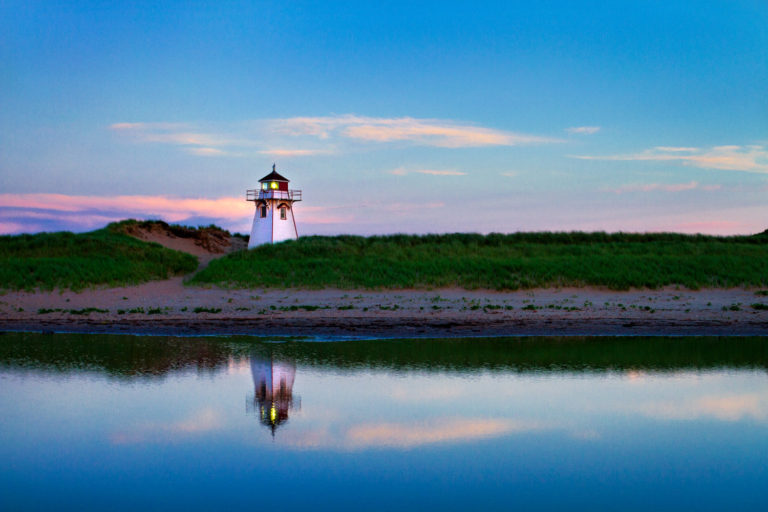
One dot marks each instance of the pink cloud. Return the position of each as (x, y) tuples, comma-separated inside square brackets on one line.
[(428, 132), (583, 130), (722, 407), (676, 149), (11, 227), (276, 136), (206, 151), (33, 212), (410, 435), (400, 171), (199, 423), (295, 152), (172, 207), (407, 207), (663, 187), (170, 133), (710, 226), (727, 158), (321, 215)]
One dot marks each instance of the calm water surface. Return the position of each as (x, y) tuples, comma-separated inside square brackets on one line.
[(111, 422)]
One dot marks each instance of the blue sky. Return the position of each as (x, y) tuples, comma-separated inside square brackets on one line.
[(391, 117)]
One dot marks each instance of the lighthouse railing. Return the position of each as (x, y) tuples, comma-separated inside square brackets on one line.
[(257, 194)]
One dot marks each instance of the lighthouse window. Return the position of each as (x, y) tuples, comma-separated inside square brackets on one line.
[(273, 185), (263, 186), (282, 213), (263, 211)]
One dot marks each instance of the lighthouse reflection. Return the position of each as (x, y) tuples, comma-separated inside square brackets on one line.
[(273, 390)]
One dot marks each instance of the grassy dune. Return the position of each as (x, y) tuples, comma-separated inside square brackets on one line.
[(67, 260), (505, 262)]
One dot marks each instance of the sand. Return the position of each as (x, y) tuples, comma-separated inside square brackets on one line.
[(168, 307)]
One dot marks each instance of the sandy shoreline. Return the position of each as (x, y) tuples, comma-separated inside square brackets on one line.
[(168, 308)]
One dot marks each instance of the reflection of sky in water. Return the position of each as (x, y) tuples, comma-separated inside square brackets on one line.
[(385, 439)]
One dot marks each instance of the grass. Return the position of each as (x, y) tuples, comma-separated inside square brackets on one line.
[(206, 310), (295, 307), (87, 311), (76, 261), (505, 262)]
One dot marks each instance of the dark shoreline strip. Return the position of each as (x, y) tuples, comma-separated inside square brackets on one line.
[(367, 328)]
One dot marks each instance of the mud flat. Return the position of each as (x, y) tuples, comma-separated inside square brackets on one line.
[(170, 307)]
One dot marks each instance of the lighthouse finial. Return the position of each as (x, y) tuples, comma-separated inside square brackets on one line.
[(273, 166)]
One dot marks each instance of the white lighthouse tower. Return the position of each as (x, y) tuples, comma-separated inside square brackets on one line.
[(274, 220)]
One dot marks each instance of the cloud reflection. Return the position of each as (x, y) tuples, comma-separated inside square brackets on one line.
[(405, 435), (724, 408), (410, 435), (201, 422)]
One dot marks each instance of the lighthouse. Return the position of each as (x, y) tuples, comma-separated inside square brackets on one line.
[(273, 390), (273, 220)]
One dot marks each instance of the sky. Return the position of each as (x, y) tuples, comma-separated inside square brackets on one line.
[(391, 117)]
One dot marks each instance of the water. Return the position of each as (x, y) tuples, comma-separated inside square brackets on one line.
[(95, 422)]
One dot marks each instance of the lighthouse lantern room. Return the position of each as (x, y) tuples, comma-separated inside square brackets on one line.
[(273, 220)]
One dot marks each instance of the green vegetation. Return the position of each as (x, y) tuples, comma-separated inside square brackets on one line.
[(505, 262), (206, 310), (84, 311), (305, 307), (87, 311), (103, 257)]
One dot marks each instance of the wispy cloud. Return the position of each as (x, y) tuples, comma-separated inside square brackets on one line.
[(401, 171), (727, 158), (662, 187), (427, 132), (409, 207), (318, 135), (583, 130), (235, 140), (180, 134), (676, 149), (172, 208), (295, 152), (202, 151)]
